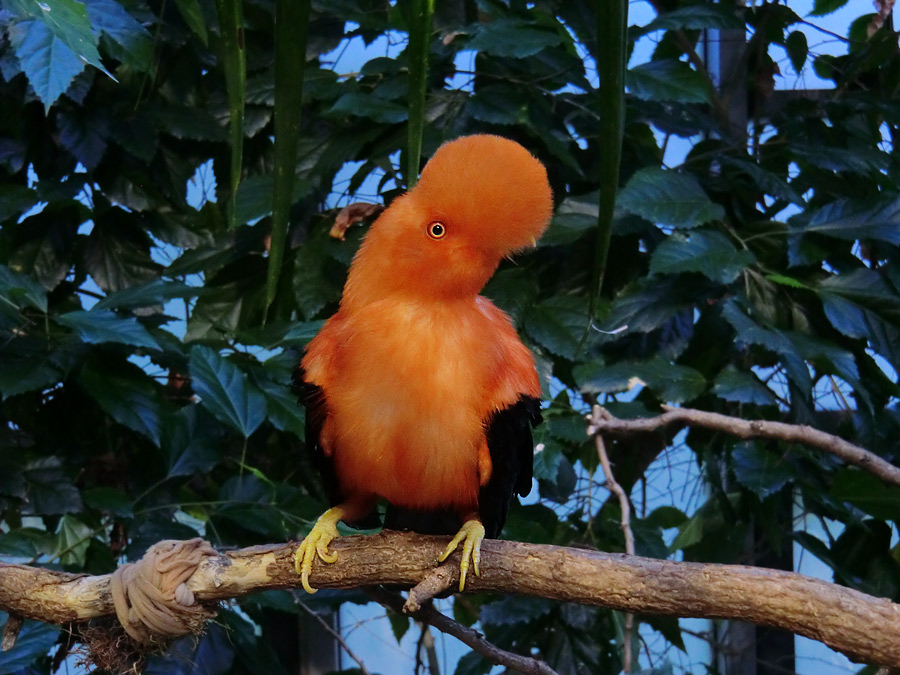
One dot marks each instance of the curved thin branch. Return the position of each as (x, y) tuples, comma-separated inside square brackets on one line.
[(468, 636), (863, 627), (791, 433)]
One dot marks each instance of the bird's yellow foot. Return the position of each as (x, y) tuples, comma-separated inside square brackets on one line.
[(473, 532), (316, 543)]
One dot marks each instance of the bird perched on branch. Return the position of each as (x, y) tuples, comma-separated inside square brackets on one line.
[(418, 390)]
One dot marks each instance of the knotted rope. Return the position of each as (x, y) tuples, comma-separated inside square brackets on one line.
[(151, 598)]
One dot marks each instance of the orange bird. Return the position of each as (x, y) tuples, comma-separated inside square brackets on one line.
[(418, 390)]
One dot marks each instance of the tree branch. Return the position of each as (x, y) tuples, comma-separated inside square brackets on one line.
[(468, 636), (863, 627), (790, 433)]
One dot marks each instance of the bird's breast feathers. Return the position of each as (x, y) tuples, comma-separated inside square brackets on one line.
[(408, 388)]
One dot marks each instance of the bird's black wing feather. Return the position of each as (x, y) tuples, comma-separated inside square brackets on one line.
[(512, 458), (312, 398)]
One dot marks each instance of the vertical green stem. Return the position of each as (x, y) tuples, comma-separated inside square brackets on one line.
[(612, 27), (291, 27), (420, 13), (231, 24)]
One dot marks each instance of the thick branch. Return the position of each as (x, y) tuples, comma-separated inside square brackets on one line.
[(791, 433), (864, 627)]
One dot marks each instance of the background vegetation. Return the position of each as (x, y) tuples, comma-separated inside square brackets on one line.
[(145, 383)]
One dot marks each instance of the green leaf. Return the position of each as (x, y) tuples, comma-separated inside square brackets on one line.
[(708, 252), (34, 642), (28, 373), (15, 200), (68, 20), (612, 34), (117, 254), (498, 104), (48, 490), (47, 62), (291, 26), (673, 382), (866, 492), (126, 393), (558, 324), (399, 624), (739, 387), (110, 500), (134, 42), (193, 16), (824, 7), (852, 220), (155, 292), (748, 331), (511, 37), (254, 197), (667, 80), (668, 197), (760, 471), (72, 540), (21, 290), (225, 391), (301, 332), (767, 181), (234, 63), (99, 326), (694, 17), (797, 48), (283, 409), (190, 440), (370, 106), (666, 517)]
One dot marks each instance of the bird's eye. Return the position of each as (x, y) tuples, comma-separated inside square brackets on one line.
[(436, 230)]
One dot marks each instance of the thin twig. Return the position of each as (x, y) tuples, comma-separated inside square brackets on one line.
[(11, 632), (336, 635), (790, 433), (438, 580), (434, 667), (468, 636), (625, 507)]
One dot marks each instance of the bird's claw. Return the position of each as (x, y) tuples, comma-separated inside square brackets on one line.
[(473, 533), (316, 543)]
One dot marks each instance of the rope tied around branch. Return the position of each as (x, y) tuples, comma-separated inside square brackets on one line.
[(151, 598)]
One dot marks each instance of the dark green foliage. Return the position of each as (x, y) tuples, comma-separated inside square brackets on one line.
[(143, 397)]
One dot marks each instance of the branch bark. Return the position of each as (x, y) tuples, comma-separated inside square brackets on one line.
[(864, 627), (791, 433)]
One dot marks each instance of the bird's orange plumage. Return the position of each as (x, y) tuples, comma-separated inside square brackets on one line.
[(415, 362)]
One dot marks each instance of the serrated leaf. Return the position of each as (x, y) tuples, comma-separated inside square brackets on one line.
[(34, 642), (739, 387), (668, 197), (558, 324), (824, 7), (399, 624), (127, 395), (72, 540), (852, 220), (99, 326), (48, 490), (511, 37), (283, 409), (254, 197), (705, 251), (498, 104), (667, 80), (135, 42), (226, 391), (117, 255), (29, 373), (370, 106), (672, 382), (768, 182), (68, 21), (760, 471), (695, 17), (47, 62)]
